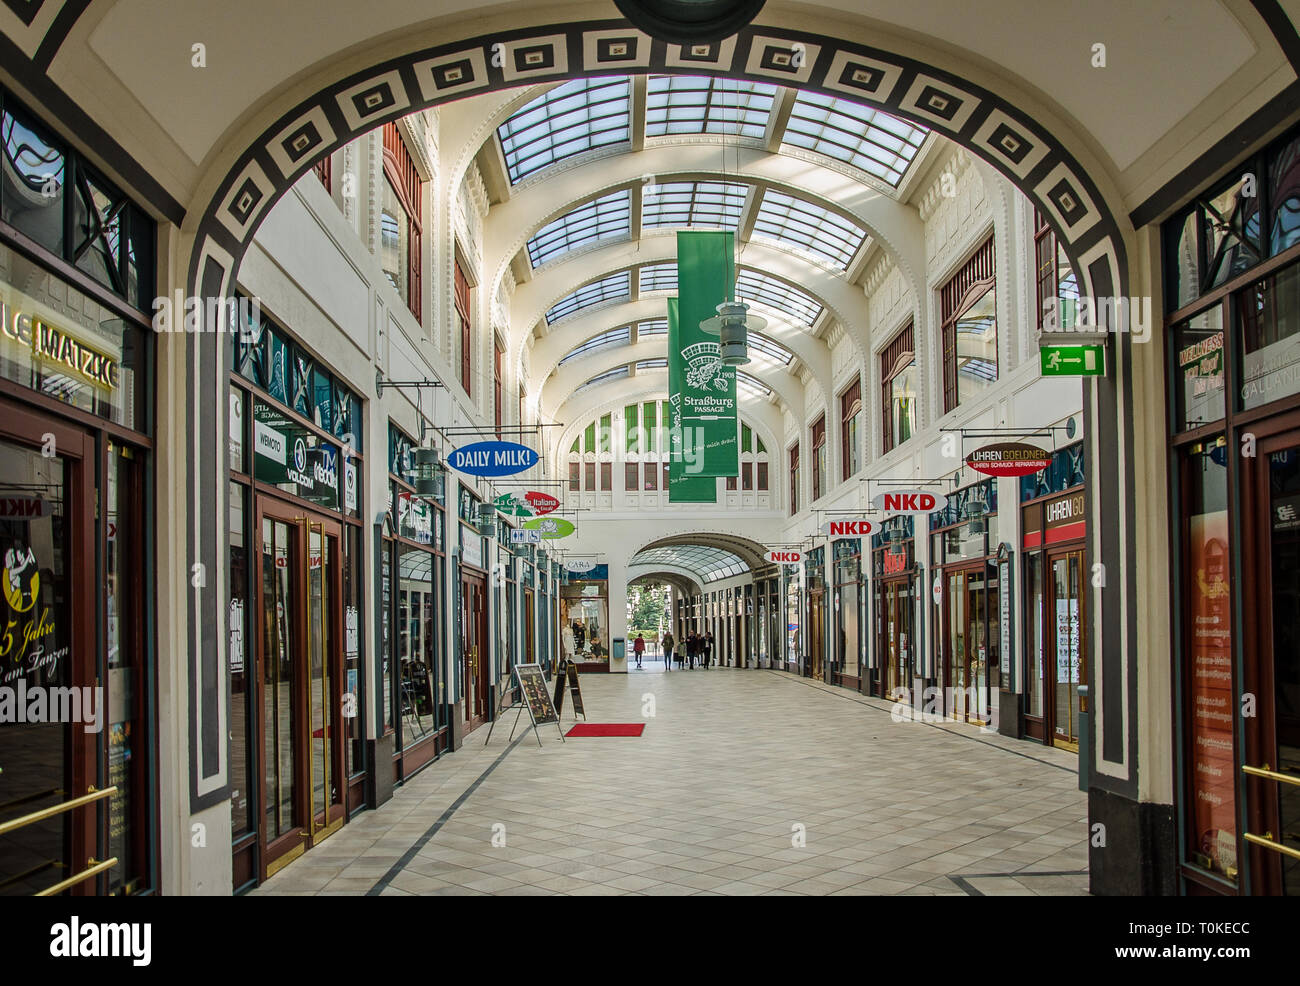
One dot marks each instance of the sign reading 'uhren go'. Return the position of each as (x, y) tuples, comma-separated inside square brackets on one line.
[(909, 502), (493, 458)]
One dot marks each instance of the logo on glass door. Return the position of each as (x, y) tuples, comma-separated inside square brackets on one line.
[(22, 579)]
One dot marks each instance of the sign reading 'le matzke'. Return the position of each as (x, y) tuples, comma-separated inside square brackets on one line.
[(1009, 459), (848, 528)]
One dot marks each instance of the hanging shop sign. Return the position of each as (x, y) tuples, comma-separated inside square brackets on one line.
[(936, 589), (909, 502), (530, 504), (542, 503), (848, 528), (492, 458), (525, 537), (784, 557), (550, 527), (1009, 459), (579, 565)]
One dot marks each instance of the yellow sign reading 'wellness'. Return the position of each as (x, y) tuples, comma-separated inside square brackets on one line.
[(54, 345)]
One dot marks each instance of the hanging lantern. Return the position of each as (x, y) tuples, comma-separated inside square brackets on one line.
[(430, 473), (976, 511), (896, 537), (732, 325), (486, 518)]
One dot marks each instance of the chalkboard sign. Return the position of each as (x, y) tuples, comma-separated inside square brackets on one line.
[(561, 675), (576, 691)]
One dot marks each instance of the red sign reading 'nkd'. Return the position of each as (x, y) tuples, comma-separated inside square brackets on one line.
[(848, 528), (784, 557), (909, 502)]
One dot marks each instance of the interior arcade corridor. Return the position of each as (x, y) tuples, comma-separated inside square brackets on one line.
[(377, 379), (710, 799)]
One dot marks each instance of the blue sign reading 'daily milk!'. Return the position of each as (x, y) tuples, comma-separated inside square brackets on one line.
[(492, 458)]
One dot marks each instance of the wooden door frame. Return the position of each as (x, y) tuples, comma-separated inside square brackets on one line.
[(470, 577), (75, 446), (1262, 809), (946, 572), (1050, 556), (300, 837)]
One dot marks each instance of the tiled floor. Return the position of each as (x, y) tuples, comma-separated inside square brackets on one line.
[(744, 782)]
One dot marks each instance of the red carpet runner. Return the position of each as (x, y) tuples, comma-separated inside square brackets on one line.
[(607, 729)]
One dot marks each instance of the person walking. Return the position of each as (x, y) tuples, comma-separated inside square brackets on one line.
[(708, 648), (690, 651), (638, 648), (668, 650)]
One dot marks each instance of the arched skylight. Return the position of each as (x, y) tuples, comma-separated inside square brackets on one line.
[(800, 223), (709, 563), (752, 385), (652, 364), (770, 348), (658, 277), (614, 337), (711, 204), (609, 288), (570, 119), (600, 219), (875, 142), (615, 374), (654, 327), (693, 104), (754, 286)]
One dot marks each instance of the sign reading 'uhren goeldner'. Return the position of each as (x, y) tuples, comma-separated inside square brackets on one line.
[(1009, 459), (492, 458), (784, 557), (909, 502), (848, 528)]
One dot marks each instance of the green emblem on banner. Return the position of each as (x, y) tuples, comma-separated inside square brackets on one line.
[(682, 486), (551, 527)]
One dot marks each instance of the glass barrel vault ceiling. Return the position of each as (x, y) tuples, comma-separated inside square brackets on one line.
[(586, 114), (710, 564)]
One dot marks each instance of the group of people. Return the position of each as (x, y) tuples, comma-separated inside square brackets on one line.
[(695, 647)]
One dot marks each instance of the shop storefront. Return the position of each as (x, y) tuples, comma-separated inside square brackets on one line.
[(966, 615), (413, 671), (792, 578), (767, 623), (1053, 539), (814, 655), (296, 467), (1232, 278), (473, 658), (897, 597), (584, 611), (846, 669), (76, 523)]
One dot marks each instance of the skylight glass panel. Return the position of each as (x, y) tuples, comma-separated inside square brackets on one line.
[(652, 364), (654, 327), (715, 204), (609, 288), (753, 286), (659, 277), (710, 564), (807, 226), (600, 219), (705, 105), (752, 385), (614, 337), (877, 143), (770, 348), (574, 118), (614, 374)]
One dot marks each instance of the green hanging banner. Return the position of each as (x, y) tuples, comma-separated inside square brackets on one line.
[(705, 390), (683, 487)]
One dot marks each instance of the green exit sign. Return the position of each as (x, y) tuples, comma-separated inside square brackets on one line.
[(1072, 361)]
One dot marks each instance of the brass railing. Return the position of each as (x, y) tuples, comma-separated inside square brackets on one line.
[(93, 866)]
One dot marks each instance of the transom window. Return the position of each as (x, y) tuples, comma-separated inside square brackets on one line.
[(704, 104), (610, 288), (571, 119), (809, 227), (714, 204), (753, 286), (600, 219), (881, 145)]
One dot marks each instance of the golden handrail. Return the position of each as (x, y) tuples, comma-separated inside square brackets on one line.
[(94, 870), (1270, 775), (1267, 843), (39, 816)]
